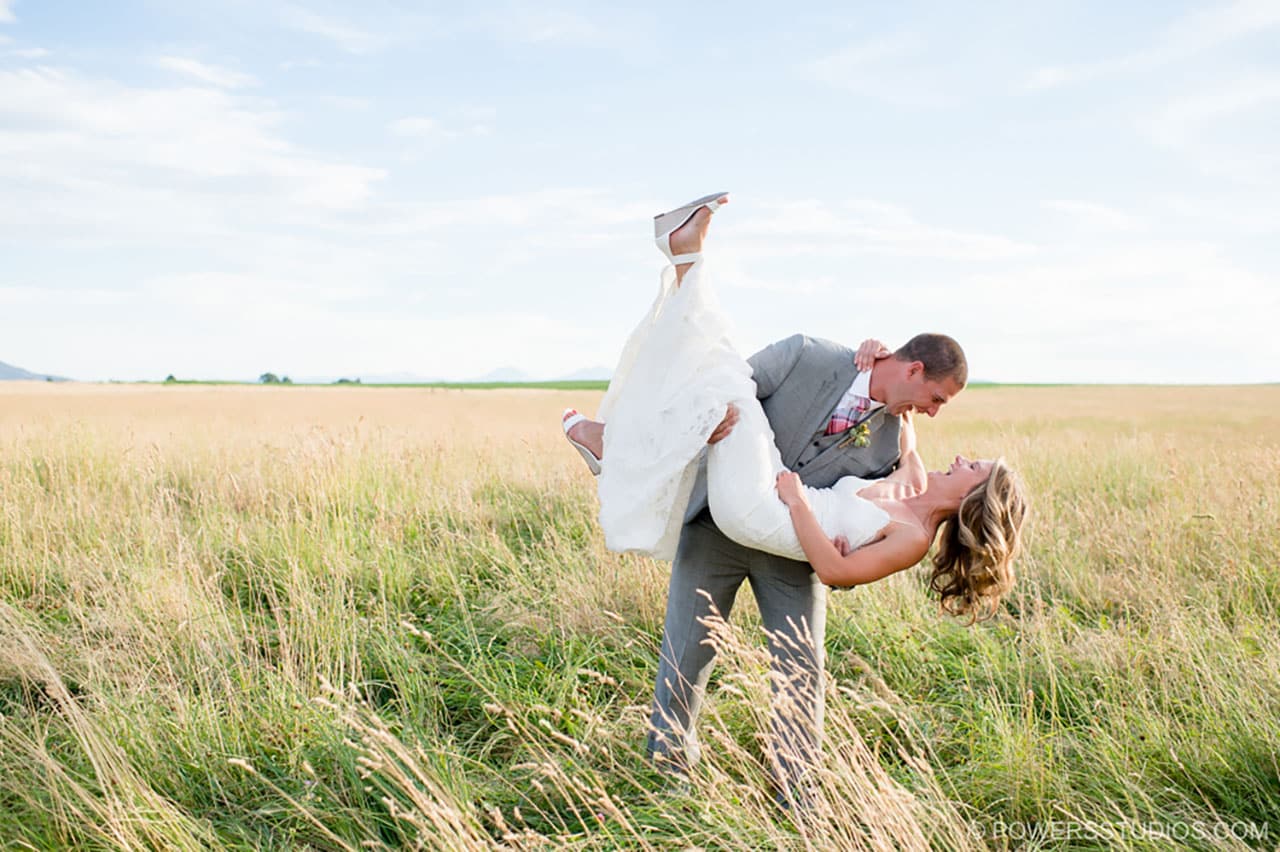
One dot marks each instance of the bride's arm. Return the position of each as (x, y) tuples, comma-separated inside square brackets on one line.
[(910, 470), (899, 548), (910, 477)]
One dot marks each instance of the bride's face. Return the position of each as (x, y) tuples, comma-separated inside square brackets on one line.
[(961, 477)]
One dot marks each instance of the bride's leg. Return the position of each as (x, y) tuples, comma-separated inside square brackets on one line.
[(689, 237), (742, 472)]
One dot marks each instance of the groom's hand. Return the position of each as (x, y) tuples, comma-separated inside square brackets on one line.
[(842, 545), (726, 425)]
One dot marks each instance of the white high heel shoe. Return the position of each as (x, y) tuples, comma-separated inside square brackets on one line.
[(568, 420), (665, 223)]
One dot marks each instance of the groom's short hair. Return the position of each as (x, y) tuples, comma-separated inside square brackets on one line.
[(941, 355)]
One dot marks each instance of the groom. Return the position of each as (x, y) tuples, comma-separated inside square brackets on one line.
[(817, 402)]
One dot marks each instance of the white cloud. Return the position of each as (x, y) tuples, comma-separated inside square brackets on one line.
[(344, 102), (1180, 119), (1144, 277), (1188, 36), (27, 296), (194, 210), (511, 22), (1233, 215), (80, 133), (1046, 78), (842, 229), (894, 68), (223, 78), (214, 291), (345, 36), (416, 126), (469, 122), (189, 333), (1223, 131), (542, 213), (625, 34), (736, 273), (1193, 292), (871, 52), (478, 120), (1095, 215), (6, 11), (1144, 310), (535, 24), (1214, 26)]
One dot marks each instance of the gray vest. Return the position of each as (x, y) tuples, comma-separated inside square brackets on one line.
[(799, 382)]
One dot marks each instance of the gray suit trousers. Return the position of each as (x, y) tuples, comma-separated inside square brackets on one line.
[(798, 380), (707, 572)]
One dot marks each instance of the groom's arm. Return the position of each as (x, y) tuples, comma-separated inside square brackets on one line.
[(771, 365)]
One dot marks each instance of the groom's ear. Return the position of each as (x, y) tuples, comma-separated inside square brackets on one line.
[(914, 369)]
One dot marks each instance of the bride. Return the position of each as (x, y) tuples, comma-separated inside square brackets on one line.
[(677, 376)]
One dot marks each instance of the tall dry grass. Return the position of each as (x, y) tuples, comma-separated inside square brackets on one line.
[(353, 618)]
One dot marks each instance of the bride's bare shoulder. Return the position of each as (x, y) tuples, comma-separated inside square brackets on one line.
[(902, 522)]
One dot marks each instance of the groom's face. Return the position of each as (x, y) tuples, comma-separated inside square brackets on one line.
[(921, 395)]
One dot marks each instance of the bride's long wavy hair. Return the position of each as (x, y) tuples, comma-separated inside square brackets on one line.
[(973, 565)]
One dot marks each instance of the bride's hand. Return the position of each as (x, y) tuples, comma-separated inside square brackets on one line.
[(790, 491), (869, 352)]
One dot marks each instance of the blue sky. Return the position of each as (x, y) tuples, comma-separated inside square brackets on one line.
[(1075, 191)]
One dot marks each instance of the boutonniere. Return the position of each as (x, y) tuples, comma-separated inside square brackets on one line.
[(859, 436)]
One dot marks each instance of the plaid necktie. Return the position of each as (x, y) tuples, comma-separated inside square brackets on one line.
[(852, 409)]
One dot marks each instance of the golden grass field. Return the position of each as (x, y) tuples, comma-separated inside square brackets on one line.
[(284, 617)]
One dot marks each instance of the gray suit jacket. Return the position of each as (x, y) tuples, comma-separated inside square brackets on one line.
[(799, 381)]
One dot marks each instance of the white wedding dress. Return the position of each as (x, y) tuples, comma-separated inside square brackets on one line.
[(677, 374)]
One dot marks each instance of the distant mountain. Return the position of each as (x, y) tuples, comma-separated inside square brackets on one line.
[(588, 374), (8, 372), (504, 374), (399, 379)]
